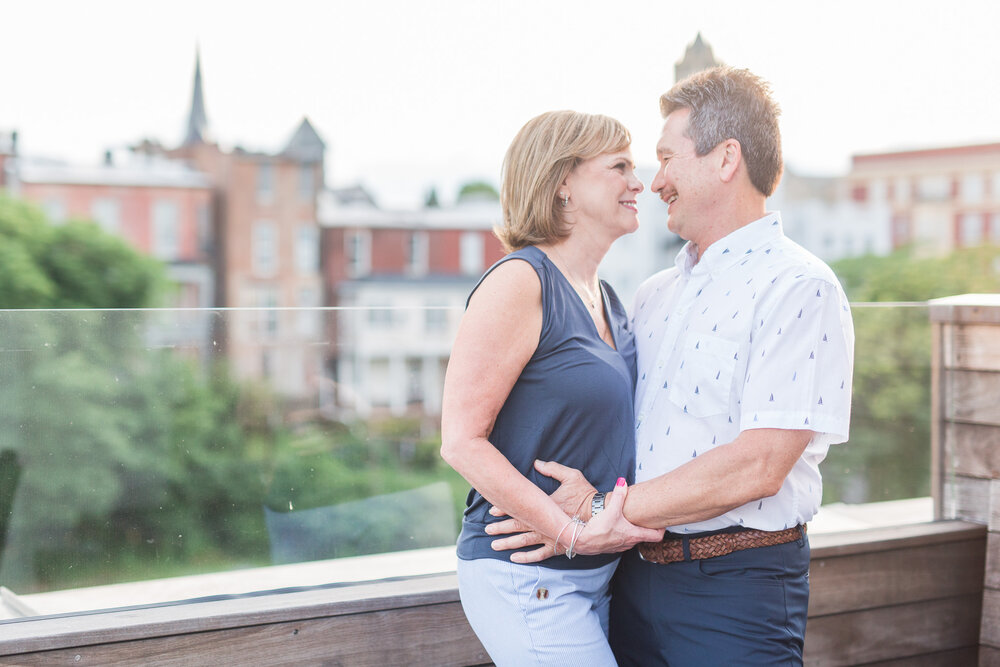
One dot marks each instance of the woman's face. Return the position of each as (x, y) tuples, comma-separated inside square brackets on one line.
[(602, 190)]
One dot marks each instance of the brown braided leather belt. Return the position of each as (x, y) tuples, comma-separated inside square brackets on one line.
[(671, 549)]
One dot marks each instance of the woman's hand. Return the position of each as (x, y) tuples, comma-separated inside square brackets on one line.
[(609, 532)]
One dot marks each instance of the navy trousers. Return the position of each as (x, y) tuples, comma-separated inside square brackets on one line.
[(746, 608)]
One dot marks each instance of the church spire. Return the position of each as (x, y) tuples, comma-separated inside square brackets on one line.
[(197, 125)]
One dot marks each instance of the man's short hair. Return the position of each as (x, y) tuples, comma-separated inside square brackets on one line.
[(729, 103)]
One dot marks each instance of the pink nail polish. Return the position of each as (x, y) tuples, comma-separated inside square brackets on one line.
[(621, 481)]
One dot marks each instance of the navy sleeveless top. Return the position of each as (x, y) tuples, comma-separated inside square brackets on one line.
[(572, 404)]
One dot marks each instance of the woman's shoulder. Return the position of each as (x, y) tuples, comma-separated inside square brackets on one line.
[(510, 282)]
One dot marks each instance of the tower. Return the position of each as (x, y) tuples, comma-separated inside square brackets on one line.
[(697, 57), (197, 125)]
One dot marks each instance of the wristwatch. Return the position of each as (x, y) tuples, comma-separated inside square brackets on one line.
[(597, 504)]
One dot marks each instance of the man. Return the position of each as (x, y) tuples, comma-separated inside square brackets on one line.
[(745, 353)]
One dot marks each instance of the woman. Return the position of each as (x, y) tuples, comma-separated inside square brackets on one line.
[(543, 367)]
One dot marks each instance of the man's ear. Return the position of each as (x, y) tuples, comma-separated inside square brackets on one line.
[(732, 158)]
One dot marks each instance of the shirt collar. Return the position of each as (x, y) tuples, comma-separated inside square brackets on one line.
[(731, 248)]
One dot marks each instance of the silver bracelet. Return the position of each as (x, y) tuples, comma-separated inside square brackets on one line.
[(578, 526)]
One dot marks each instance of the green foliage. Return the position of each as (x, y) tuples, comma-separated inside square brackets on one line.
[(75, 265), (478, 190), (888, 455)]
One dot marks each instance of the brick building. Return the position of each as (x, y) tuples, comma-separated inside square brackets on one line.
[(267, 251), (401, 279), (938, 199)]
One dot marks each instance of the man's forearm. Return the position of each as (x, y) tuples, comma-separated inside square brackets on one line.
[(751, 467)]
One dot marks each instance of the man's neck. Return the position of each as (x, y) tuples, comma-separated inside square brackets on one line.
[(729, 220)]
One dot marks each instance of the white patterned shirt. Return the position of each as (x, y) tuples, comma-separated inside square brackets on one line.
[(757, 334)]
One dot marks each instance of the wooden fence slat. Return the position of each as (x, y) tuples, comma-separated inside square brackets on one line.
[(886, 578), (435, 634), (893, 632), (973, 346), (975, 449), (970, 396), (990, 634)]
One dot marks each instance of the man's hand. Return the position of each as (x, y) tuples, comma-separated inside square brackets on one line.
[(609, 532), (573, 497)]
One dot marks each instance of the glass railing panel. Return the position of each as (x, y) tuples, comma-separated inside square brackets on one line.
[(888, 454), (147, 444), (142, 445)]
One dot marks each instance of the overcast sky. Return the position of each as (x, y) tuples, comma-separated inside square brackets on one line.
[(414, 93)]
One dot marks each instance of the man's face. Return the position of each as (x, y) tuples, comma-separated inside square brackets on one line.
[(684, 180)]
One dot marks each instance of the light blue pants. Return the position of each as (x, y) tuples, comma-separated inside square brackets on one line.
[(530, 615)]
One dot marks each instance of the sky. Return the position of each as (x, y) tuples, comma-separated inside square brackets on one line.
[(414, 94)]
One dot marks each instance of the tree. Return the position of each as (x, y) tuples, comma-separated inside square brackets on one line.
[(888, 455), (75, 265), (477, 191)]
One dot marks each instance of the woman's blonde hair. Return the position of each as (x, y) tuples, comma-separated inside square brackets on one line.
[(539, 159)]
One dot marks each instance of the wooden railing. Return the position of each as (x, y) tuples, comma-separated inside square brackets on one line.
[(925, 594), (908, 593)]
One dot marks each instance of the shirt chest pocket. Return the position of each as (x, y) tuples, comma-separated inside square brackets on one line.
[(703, 382)]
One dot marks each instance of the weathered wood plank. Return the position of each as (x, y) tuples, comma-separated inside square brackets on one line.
[(973, 449), (991, 577), (433, 634), (990, 631), (938, 441), (160, 620), (967, 499), (965, 308), (865, 581), (994, 521), (971, 396), (989, 657), (961, 657), (973, 347), (893, 633), (891, 538)]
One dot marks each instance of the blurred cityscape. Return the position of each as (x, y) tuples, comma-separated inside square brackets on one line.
[(261, 232)]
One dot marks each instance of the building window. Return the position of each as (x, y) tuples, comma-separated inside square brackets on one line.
[(878, 192), (971, 229), (307, 248), (358, 250), (435, 318), (993, 235), (166, 235), (414, 381), (471, 253), (307, 182), (381, 317), (265, 248), (106, 213), (205, 234), (416, 261), (267, 322), (265, 182), (934, 188), (973, 188), (902, 190), (995, 186), (859, 193), (308, 315)]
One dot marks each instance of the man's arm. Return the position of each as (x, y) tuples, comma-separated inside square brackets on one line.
[(752, 466)]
